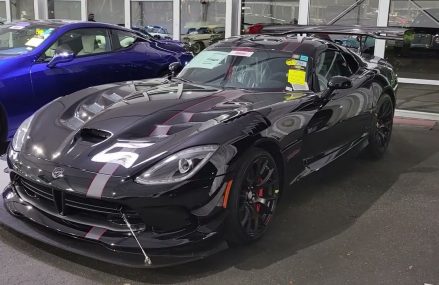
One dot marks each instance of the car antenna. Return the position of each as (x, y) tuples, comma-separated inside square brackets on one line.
[(147, 259)]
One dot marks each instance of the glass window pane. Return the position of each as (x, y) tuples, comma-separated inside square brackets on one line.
[(82, 42), (22, 10), (257, 13), (323, 12), (418, 55), (107, 11), (202, 22), (64, 9), (124, 39), (2, 12), (155, 13)]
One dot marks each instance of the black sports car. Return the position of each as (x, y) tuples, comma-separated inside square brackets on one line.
[(164, 171)]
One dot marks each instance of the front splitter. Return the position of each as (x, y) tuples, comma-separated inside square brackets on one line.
[(97, 251)]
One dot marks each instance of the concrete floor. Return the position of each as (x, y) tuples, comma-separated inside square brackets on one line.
[(357, 222), (416, 97)]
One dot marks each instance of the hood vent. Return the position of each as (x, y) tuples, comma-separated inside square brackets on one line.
[(93, 135)]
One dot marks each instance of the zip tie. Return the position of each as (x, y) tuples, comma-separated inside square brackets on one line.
[(147, 259)]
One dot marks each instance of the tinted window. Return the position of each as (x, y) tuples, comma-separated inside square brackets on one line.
[(352, 62), (82, 42), (330, 63), (124, 39)]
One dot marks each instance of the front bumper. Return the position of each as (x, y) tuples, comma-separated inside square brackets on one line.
[(112, 247)]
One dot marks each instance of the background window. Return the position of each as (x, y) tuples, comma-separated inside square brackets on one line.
[(2, 12), (64, 9), (257, 13), (22, 10), (418, 55), (322, 12), (107, 11), (155, 13), (202, 22)]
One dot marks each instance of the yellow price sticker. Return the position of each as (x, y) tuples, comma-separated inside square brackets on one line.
[(291, 62), (296, 77)]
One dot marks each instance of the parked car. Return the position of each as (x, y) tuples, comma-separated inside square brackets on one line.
[(164, 171), (158, 32), (201, 37), (43, 60)]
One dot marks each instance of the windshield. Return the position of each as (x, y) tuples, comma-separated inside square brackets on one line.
[(243, 68), (21, 38)]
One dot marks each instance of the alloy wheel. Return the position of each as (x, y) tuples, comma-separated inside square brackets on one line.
[(258, 196)]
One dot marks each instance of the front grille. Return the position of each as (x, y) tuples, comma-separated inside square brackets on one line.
[(67, 204)]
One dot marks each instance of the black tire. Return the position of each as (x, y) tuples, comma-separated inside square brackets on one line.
[(197, 47), (253, 197), (381, 130)]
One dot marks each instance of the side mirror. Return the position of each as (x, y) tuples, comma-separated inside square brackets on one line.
[(339, 82), (174, 68), (61, 56), (335, 83)]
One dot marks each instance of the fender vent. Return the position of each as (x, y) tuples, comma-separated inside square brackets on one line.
[(93, 135)]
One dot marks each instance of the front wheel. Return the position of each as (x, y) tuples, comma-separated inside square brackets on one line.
[(253, 197), (381, 130)]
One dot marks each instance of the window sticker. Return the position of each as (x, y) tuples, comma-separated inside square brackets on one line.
[(34, 42), (291, 62), (39, 32), (296, 76), (16, 27), (243, 53), (301, 63), (304, 58), (208, 59)]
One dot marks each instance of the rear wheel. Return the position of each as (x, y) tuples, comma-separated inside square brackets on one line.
[(197, 47), (381, 131), (253, 197)]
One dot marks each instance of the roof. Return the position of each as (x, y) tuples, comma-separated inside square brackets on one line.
[(286, 43)]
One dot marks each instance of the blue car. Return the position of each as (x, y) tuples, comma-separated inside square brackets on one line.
[(43, 60)]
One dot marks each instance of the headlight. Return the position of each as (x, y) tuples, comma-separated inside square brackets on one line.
[(178, 167), (21, 134)]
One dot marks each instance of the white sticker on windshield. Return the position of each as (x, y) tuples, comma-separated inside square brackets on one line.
[(207, 59), (34, 42), (16, 27), (243, 53)]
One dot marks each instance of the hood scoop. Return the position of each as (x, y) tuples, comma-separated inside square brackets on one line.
[(92, 135)]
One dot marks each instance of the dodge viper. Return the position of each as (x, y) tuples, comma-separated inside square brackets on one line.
[(164, 171), (43, 60)]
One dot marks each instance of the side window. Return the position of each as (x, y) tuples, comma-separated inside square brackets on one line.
[(352, 62), (123, 39), (330, 63), (82, 42)]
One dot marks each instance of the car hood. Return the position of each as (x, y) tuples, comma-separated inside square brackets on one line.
[(134, 124)]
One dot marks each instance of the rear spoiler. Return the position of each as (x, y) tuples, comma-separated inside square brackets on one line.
[(380, 33)]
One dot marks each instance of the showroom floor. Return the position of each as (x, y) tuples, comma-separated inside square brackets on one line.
[(359, 222), (423, 98)]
